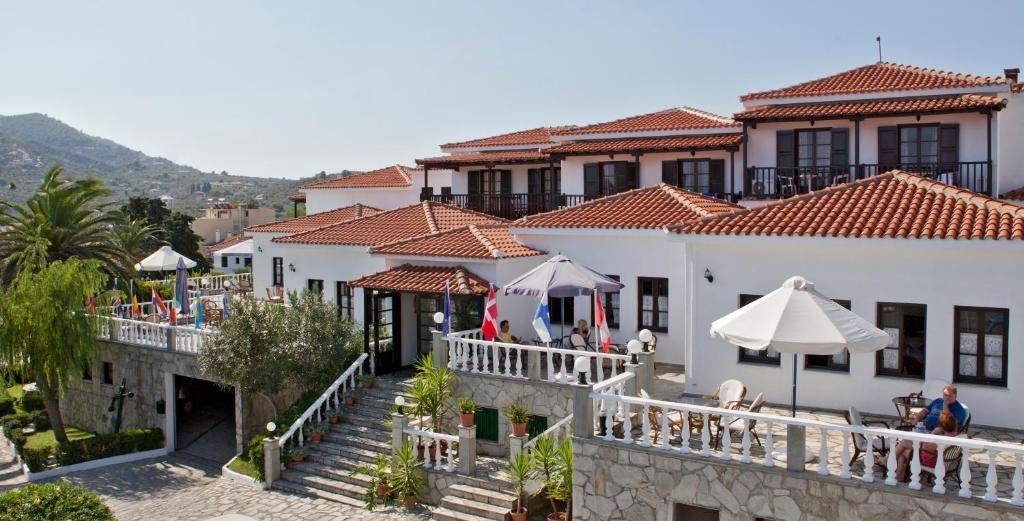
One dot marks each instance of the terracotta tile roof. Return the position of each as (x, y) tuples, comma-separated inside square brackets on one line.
[(878, 77), (393, 225), (1016, 194), (1017, 87), (893, 205), (471, 241), (533, 136), (396, 176), (653, 207), (648, 144), (678, 118), (484, 158), (227, 243), (424, 279), (965, 102), (316, 220), (298, 198)]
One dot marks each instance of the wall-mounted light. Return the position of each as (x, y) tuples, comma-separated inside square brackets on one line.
[(259, 249), (291, 266), (707, 275)]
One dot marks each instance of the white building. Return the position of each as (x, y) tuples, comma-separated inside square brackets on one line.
[(387, 188), (232, 254)]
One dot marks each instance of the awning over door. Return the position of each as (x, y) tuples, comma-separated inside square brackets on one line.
[(424, 279)]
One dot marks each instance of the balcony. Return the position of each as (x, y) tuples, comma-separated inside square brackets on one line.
[(509, 206), (782, 182)]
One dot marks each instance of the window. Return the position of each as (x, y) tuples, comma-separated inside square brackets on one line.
[(905, 324), (278, 274), (248, 262), (108, 373), (560, 314), (607, 178), (765, 356), (544, 180), (681, 512), (919, 144), (653, 309), (426, 306), (223, 261), (610, 302), (838, 362), (316, 285), (343, 297), (814, 148), (489, 182), (981, 345)]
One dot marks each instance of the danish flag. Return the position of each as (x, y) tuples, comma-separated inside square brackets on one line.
[(602, 324), (490, 325)]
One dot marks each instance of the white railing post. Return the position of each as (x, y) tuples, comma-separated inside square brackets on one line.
[(769, 446), (990, 478), (1018, 482), (869, 457), (940, 471)]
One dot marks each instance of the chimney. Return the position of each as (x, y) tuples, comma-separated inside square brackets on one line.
[(1011, 74), (216, 236)]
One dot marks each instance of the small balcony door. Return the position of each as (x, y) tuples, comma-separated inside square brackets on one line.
[(383, 330)]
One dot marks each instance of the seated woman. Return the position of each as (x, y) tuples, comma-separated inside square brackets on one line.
[(583, 330), (929, 451)]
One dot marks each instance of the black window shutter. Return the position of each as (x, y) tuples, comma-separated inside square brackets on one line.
[(591, 180), (717, 171), (506, 182), (625, 176), (474, 182), (533, 180), (949, 144), (785, 149), (888, 148), (841, 147), (670, 172)]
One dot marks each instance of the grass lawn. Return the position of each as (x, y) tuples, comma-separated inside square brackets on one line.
[(16, 392), (45, 438), (242, 465)]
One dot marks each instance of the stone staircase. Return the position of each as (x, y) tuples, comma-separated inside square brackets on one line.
[(361, 435)]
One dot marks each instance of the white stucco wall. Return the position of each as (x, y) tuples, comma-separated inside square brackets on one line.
[(650, 167), (235, 261), (1010, 133), (939, 274), (520, 177), (263, 251), (629, 255), (324, 199)]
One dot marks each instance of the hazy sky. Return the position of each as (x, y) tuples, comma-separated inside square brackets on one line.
[(287, 89)]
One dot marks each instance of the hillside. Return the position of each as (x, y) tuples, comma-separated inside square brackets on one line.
[(32, 143)]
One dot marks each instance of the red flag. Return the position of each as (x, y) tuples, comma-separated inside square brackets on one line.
[(173, 320), (601, 323), (490, 325), (90, 304), (158, 303)]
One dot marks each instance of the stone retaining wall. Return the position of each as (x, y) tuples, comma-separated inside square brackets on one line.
[(611, 481)]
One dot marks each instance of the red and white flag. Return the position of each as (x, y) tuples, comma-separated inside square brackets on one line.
[(602, 325), (490, 325), (158, 303)]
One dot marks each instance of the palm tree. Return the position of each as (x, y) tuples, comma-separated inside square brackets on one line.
[(136, 238), (63, 219)]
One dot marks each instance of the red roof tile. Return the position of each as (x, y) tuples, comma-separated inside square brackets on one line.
[(316, 220), (653, 207), (893, 205), (298, 198), (472, 241), (679, 118), (1016, 194), (878, 77), (484, 158), (533, 136), (396, 176), (227, 243), (393, 225), (965, 102), (424, 279), (649, 144)]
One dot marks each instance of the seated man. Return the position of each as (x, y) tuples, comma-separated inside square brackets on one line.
[(504, 335), (948, 403)]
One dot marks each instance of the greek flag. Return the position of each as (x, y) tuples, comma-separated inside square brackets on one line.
[(541, 320)]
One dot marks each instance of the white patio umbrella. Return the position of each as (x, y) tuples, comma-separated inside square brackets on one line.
[(164, 259), (797, 319)]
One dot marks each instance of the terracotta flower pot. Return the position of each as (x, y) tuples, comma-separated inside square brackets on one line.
[(298, 459), (518, 516), (467, 418), (350, 401), (410, 502), (556, 517), (315, 438), (383, 490), (366, 384), (420, 452), (519, 429), (334, 419)]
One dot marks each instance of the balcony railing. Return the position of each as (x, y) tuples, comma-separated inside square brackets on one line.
[(510, 206), (782, 182), (179, 339)]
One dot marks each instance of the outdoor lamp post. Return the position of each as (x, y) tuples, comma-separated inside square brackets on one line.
[(646, 336), (400, 403), (581, 367), (271, 427), (633, 348)]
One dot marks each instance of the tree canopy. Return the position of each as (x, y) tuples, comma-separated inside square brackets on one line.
[(173, 228)]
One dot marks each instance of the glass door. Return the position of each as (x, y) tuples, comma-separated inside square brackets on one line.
[(426, 306)]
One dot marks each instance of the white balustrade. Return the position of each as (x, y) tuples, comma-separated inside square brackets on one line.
[(630, 417), (557, 432), (329, 399), (439, 449), (148, 334), (214, 282)]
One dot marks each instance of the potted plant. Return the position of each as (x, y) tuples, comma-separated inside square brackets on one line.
[(544, 457), (406, 477), (559, 486), (365, 381), (333, 415), (520, 469), (432, 391), (350, 398), (518, 415), (467, 412), (317, 431), (295, 454), (378, 488)]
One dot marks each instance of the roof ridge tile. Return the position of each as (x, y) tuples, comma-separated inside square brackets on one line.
[(495, 251)]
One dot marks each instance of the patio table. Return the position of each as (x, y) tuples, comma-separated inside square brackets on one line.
[(907, 407), (696, 420)]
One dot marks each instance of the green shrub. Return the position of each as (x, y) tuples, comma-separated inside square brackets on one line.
[(107, 445), (288, 417), (32, 401), (144, 288), (6, 402), (16, 420), (61, 500), (255, 447), (17, 437), (36, 458), (41, 420)]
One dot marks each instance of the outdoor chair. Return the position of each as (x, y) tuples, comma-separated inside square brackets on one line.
[(967, 422), (736, 425), (839, 179), (275, 294), (212, 313), (786, 184), (655, 416), (951, 458), (244, 286), (860, 442), (577, 342), (729, 394)]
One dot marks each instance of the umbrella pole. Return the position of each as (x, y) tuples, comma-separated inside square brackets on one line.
[(561, 302), (793, 406)]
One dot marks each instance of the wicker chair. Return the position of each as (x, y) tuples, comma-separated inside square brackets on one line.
[(879, 445), (212, 313), (736, 425), (951, 458)]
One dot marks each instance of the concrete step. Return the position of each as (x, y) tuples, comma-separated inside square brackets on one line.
[(319, 482), (483, 480), (381, 433), (312, 491), (359, 441), (341, 463), (481, 495), (348, 450), (445, 514), (475, 508), (334, 472)]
